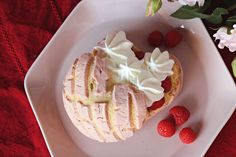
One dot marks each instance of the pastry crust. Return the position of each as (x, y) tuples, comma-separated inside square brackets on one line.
[(102, 110), (102, 113)]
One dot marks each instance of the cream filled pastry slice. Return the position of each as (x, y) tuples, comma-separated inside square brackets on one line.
[(108, 93), (102, 114)]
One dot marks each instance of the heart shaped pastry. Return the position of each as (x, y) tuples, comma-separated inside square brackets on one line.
[(108, 93)]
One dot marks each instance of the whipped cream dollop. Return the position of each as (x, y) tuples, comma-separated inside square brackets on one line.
[(125, 71), (116, 46), (145, 74), (151, 86), (159, 64)]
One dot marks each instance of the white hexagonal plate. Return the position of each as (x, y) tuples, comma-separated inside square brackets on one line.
[(209, 91)]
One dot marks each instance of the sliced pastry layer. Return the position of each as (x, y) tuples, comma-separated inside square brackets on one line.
[(104, 114)]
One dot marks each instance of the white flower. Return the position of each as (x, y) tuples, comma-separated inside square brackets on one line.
[(192, 2), (159, 64), (226, 40)]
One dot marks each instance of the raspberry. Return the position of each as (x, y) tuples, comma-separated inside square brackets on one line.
[(139, 54), (172, 38), (166, 84), (187, 135), (157, 104), (155, 38), (180, 114), (166, 127)]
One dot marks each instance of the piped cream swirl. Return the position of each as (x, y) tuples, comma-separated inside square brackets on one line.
[(117, 46), (145, 74), (126, 71), (151, 86), (159, 64)]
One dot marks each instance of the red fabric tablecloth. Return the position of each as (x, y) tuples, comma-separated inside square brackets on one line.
[(25, 28)]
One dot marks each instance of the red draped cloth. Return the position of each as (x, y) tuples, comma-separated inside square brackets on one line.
[(26, 26)]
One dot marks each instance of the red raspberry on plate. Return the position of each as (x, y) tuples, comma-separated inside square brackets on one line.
[(166, 127), (157, 104), (166, 84), (187, 135), (180, 114), (155, 38), (172, 38)]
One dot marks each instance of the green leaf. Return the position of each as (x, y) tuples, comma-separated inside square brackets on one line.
[(233, 64), (153, 6), (216, 16), (229, 26), (232, 19), (228, 30), (189, 12), (186, 13)]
